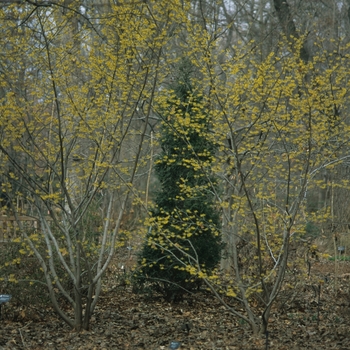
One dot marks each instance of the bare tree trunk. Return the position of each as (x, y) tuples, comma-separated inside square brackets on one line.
[(287, 23)]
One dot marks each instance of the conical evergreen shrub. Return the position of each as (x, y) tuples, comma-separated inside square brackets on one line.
[(183, 241)]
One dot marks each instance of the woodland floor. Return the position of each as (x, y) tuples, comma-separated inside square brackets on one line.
[(124, 320)]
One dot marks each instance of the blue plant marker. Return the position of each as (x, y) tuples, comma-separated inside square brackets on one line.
[(174, 345), (4, 298), (341, 249)]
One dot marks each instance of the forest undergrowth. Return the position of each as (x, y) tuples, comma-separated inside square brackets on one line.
[(315, 315)]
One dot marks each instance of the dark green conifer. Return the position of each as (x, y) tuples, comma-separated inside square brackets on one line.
[(184, 220)]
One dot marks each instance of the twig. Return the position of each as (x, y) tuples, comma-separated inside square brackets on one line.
[(24, 345), (19, 330), (318, 303)]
